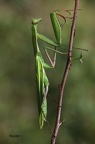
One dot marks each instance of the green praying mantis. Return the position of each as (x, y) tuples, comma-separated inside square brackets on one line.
[(41, 77)]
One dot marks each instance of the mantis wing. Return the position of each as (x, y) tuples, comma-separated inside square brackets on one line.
[(42, 88)]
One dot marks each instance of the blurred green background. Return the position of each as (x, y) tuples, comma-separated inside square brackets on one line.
[(18, 103)]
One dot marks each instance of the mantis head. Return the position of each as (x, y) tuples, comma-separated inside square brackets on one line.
[(36, 20)]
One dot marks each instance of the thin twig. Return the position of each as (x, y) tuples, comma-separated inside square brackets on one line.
[(62, 85)]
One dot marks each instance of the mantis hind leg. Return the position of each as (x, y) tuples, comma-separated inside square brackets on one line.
[(78, 58)]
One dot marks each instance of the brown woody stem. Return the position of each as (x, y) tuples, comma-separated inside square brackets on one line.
[(62, 85)]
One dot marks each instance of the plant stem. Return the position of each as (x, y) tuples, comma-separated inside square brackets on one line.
[(62, 85)]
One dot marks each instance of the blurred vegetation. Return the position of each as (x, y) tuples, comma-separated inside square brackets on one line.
[(18, 105)]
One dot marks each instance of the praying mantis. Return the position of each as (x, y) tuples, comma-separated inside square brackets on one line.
[(41, 77)]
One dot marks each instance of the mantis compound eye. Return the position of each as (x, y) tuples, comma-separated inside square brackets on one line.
[(36, 20)]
